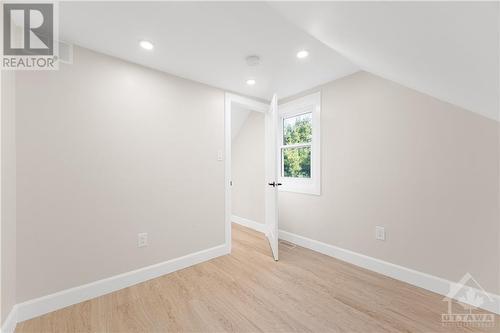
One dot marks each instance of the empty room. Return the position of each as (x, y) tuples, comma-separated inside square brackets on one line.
[(250, 166)]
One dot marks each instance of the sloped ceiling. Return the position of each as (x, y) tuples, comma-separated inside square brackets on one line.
[(448, 50)]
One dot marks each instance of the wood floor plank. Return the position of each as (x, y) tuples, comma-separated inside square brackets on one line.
[(248, 291)]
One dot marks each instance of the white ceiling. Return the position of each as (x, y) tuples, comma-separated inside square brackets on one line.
[(206, 42), (446, 49)]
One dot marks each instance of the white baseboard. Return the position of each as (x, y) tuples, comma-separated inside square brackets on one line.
[(39, 306), (426, 281), (260, 227), (9, 324)]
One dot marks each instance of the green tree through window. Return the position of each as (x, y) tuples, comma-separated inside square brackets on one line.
[(297, 132)]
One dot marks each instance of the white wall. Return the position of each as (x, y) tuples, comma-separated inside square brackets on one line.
[(8, 195), (424, 169), (239, 116), (107, 149), (248, 169)]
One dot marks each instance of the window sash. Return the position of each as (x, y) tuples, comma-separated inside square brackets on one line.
[(294, 115), (282, 160)]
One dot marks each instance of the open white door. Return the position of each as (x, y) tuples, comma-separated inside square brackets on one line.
[(271, 125)]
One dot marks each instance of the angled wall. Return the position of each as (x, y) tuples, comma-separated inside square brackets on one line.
[(248, 169)]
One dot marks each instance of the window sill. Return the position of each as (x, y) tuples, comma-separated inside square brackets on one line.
[(301, 189)]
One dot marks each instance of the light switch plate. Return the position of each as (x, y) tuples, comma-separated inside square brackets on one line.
[(142, 239), (380, 233)]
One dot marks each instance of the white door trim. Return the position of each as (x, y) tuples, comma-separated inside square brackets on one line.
[(254, 106)]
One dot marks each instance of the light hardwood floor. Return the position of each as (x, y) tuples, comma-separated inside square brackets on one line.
[(248, 292)]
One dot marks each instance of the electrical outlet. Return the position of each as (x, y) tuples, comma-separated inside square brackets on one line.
[(142, 239), (380, 233), (220, 155)]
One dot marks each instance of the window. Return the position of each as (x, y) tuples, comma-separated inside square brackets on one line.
[(296, 149), (299, 145)]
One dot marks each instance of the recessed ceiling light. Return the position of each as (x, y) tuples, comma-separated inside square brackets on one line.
[(147, 45), (302, 54), (251, 82)]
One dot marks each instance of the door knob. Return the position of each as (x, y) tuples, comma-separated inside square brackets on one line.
[(274, 184)]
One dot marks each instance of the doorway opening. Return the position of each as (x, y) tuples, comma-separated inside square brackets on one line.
[(251, 167)]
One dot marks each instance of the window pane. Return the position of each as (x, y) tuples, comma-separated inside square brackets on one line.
[(297, 129), (296, 162)]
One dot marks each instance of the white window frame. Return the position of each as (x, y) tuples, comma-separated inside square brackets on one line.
[(307, 104)]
